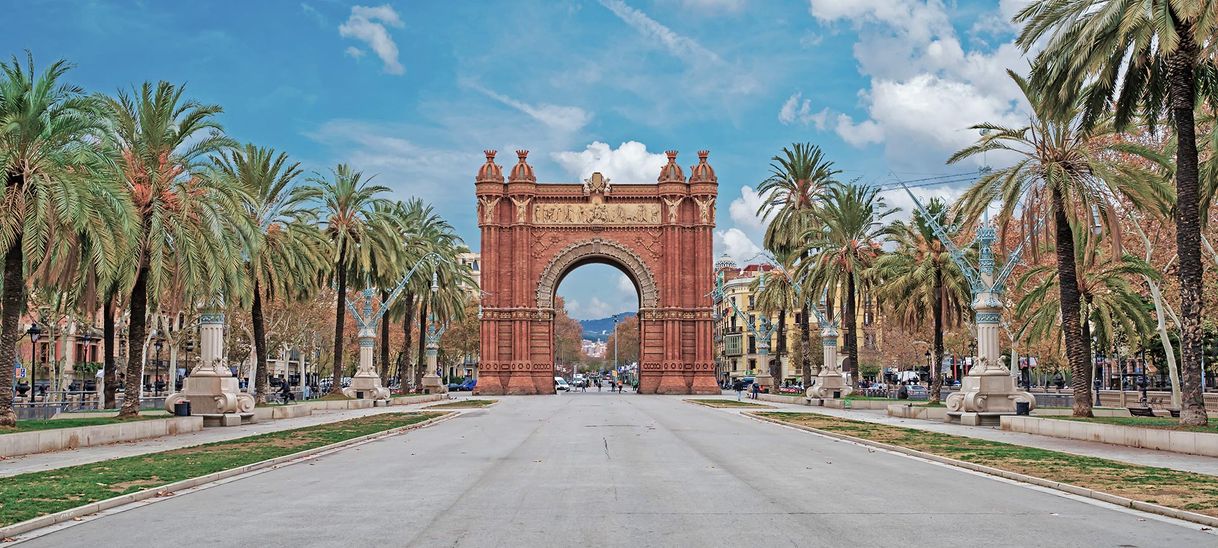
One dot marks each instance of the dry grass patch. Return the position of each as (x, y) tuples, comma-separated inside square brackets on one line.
[(463, 404), (710, 402), (27, 496), (1182, 490)]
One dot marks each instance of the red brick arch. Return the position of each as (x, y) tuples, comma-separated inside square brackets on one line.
[(659, 234)]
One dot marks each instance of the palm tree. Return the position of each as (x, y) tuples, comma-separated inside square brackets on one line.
[(1150, 57), (191, 234), (347, 201), (778, 295), (843, 248), (47, 131), (920, 278), (1112, 308), (1071, 175), (798, 180), (288, 250)]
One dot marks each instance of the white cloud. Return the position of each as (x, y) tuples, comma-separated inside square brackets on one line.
[(926, 89), (736, 244), (861, 134), (707, 70), (367, 24), (743, 210), (680, 46), (565, 119), (797, 110), (629, 163), (354, 52)]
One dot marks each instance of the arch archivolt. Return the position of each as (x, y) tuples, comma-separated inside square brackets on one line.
[(603, 250)]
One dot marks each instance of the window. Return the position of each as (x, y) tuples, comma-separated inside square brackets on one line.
[(752, 345), (798, 317), (733, 365), (752, 300), (752, 364)]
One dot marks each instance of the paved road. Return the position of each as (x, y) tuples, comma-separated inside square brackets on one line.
[(620, 470)]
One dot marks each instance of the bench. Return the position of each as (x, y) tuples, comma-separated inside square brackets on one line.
[(1141, 411)]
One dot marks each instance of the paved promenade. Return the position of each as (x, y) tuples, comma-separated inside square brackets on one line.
[(1147, 457), (47, 461), (605, 469)]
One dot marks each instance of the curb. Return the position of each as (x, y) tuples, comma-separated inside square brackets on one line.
[(106, 504), (1151, 508)]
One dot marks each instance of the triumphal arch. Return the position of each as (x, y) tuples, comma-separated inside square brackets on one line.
[(659, 235)]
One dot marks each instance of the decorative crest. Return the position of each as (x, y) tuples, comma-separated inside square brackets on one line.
[(596, 184)]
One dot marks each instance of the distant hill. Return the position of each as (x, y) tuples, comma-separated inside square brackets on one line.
[(599, 329)]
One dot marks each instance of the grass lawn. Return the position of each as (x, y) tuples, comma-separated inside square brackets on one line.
[(1175, 489), (728, 403), (50, 424), (462, 404), (1162, 423), (334, 397), (27, 496)]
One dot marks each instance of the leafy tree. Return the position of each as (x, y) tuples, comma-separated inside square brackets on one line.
[(287, 251), (919, 279), (842, 245), (1148, 57), (799, 178), (346, 201), (626, 336), (1071, 175), (191, 232), (51, 196)]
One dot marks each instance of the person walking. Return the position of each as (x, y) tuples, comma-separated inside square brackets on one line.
[(738, 386), (756, 389), (286, 391)]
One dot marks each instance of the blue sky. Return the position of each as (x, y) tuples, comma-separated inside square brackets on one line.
[(413, 91)]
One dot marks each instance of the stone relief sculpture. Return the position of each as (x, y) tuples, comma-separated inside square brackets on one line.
[(522, 208), (704, 209), (488, 209), (673, 207)]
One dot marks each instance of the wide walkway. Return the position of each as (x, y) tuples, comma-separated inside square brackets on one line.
[(606, 469), (47, 461), (1135, 455)]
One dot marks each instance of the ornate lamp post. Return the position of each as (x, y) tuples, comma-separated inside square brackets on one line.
[(761, 333), (367, 383), (988, 390)]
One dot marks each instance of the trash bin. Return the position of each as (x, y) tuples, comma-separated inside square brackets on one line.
[(1022, 408), (181, 409)]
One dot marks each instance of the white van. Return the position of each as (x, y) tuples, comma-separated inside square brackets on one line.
[(561, 384)]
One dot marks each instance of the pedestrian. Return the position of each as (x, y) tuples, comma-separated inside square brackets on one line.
[(756, 389), (285, 390), (738, 386), (304, 391)]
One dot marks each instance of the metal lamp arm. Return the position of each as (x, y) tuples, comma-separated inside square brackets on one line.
[(956, 254)]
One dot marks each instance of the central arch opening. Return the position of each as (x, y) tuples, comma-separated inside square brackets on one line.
[(596, 326)]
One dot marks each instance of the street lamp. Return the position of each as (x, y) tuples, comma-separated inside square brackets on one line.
[(190, 348), (157, 370), (35, 331)]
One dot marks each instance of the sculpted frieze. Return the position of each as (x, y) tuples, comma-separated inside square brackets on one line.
[(596, 214)]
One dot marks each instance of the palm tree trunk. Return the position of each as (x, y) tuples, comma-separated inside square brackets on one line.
[(418, 371), (109, 372), (1078, 349), (852, 341), (136, 331), (262, 382), (407, 331), (384, 343), (805, 344), (776, 366), (12, 303), (936, 378), (340, 318), (1181, 78)]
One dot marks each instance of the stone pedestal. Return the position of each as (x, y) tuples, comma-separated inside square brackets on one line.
[(432, 383), (210, 388), (366, 384), (828, 383), (988, 391)]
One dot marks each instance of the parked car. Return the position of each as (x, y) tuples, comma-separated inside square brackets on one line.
[(561, 384), (468, 385), (917, 392), (454, 387)]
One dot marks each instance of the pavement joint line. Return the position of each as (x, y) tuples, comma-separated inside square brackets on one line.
[(1109, 498), (203, 482)]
